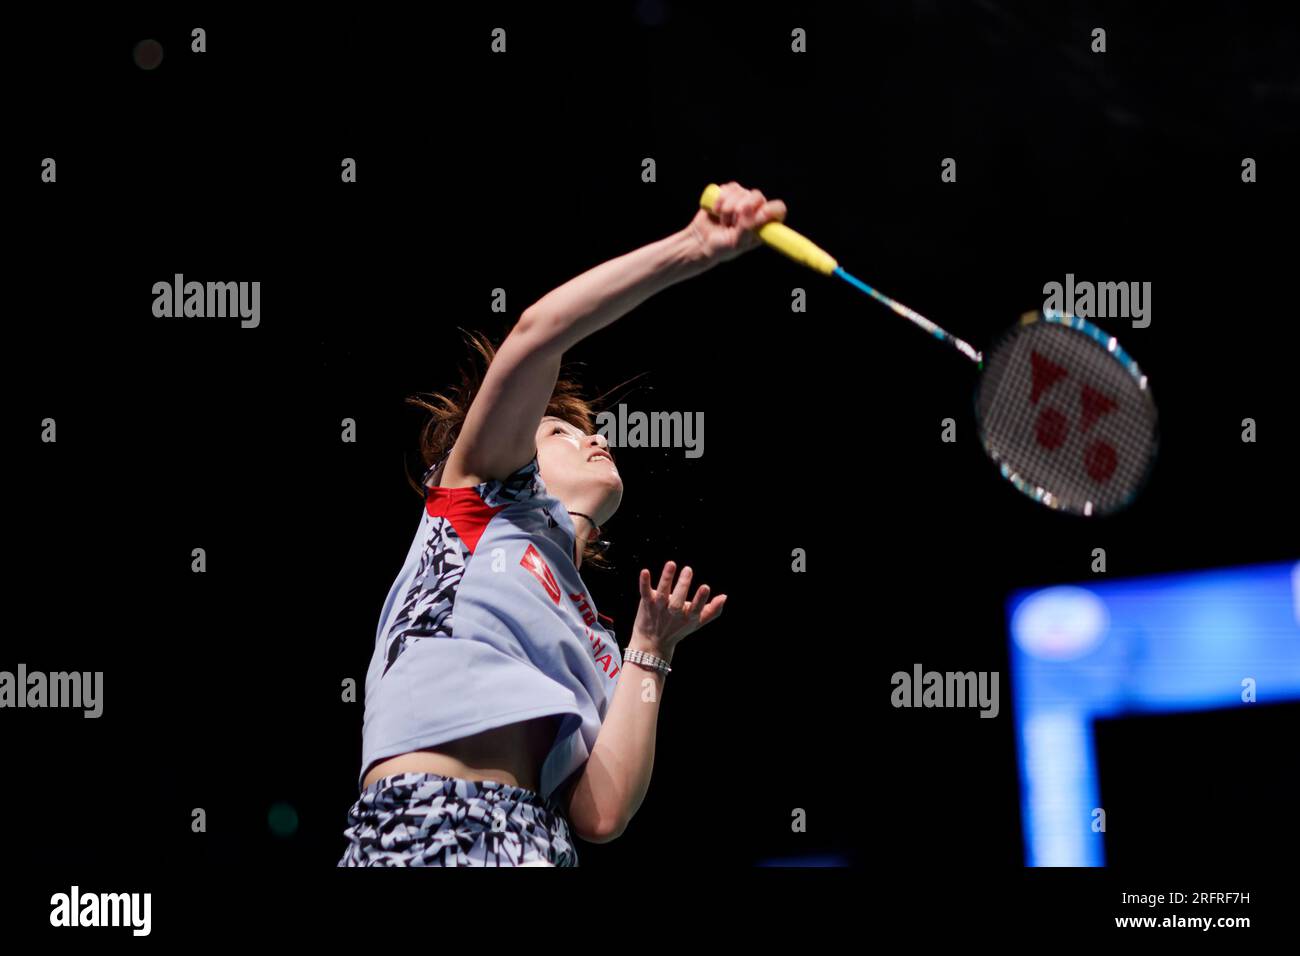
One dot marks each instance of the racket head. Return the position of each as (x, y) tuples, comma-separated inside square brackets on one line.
[(1067, 415)]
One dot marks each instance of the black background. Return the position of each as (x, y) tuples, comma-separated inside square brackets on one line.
[(520, 171)]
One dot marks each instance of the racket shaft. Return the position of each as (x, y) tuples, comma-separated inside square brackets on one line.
[(914, 317), (807, 253)]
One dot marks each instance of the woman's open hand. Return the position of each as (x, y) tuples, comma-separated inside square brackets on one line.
[(665, 615), (728, 231)]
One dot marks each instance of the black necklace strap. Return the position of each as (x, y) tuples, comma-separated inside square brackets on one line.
[(588, 517), (601, 545)]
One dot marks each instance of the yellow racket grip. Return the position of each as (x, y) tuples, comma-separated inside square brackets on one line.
[(783, 239)]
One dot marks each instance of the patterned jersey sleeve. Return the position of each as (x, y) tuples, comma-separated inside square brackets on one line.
[(520, 485)]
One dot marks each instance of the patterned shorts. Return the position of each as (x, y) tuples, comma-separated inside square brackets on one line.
[(426, 819)]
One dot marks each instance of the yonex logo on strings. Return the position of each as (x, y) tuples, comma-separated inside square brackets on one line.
[(1052, 427)]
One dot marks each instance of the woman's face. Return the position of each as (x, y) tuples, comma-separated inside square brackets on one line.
[(578, 469)]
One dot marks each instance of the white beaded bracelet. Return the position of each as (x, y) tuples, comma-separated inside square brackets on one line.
[(649, 660)]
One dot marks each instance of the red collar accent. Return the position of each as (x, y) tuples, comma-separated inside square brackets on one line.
[(605, 617)]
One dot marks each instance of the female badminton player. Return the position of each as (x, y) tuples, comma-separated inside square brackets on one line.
[(501, 719)]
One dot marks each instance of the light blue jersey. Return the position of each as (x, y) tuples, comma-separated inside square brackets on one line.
[(489, 623)]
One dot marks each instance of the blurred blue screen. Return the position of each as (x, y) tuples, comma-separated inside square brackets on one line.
[(1179, 642)]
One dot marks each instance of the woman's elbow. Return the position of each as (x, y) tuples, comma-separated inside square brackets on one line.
[(600, 831), (529, 326)]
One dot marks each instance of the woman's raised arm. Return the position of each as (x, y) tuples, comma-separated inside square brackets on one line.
[(499, 433)]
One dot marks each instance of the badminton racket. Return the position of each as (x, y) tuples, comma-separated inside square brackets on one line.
[(1062, 409)]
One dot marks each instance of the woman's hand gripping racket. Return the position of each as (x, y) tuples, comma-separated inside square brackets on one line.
[(1062, 409)]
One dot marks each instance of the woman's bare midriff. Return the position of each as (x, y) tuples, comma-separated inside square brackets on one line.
[(512, 754)]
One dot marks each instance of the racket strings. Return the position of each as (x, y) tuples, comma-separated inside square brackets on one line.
[(1070, 424)]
